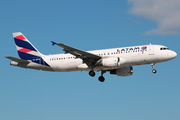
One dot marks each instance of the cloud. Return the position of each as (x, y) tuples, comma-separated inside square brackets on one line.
[(165, 12)]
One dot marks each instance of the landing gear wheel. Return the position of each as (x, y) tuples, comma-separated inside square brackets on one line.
[(153, 65), (101, 79), (154, 71), (92, 73)]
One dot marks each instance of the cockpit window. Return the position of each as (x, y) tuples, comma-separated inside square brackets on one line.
[(164, 48)]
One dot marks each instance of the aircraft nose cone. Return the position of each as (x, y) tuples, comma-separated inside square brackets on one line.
[(169, 55), (174, 54)]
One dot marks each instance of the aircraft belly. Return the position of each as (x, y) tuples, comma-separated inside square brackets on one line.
[(134, 60), (148, 59), (72, 66), (65, 66)]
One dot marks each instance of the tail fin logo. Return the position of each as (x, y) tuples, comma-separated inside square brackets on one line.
[(25, 49), (20, 37)]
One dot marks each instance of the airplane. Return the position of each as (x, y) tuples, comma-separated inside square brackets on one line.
[(117, 61)]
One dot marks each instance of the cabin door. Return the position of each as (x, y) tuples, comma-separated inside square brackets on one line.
[(151, 50)]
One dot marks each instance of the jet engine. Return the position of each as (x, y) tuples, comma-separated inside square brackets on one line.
[(113, 61), (124, 71)]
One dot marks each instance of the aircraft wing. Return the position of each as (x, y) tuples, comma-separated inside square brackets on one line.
[(87, 57), (17, 59)]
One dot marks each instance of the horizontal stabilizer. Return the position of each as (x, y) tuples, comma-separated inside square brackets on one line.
[(17, 59)]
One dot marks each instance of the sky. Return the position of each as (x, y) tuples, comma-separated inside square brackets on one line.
[(27, 94)]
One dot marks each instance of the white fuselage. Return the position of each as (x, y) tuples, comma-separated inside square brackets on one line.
[(129, 55)]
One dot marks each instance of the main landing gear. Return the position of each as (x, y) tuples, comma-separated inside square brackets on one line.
[(101, 78), (153, 65), (92, 73)]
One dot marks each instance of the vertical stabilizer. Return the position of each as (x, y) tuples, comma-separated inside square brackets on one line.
[(25, 49)]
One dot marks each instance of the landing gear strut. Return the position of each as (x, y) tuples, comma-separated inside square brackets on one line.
[(154, 71), (101, 78)]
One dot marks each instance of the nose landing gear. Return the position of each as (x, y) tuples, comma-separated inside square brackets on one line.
[(154, 71), (153, 65)]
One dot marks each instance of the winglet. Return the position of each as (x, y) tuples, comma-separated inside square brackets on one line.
[(53, 43)]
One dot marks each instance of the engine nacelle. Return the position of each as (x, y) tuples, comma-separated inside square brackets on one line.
[(125, 71), (113, 61), (110, 62)]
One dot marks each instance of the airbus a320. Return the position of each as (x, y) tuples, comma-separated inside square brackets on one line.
[(117, 61)]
